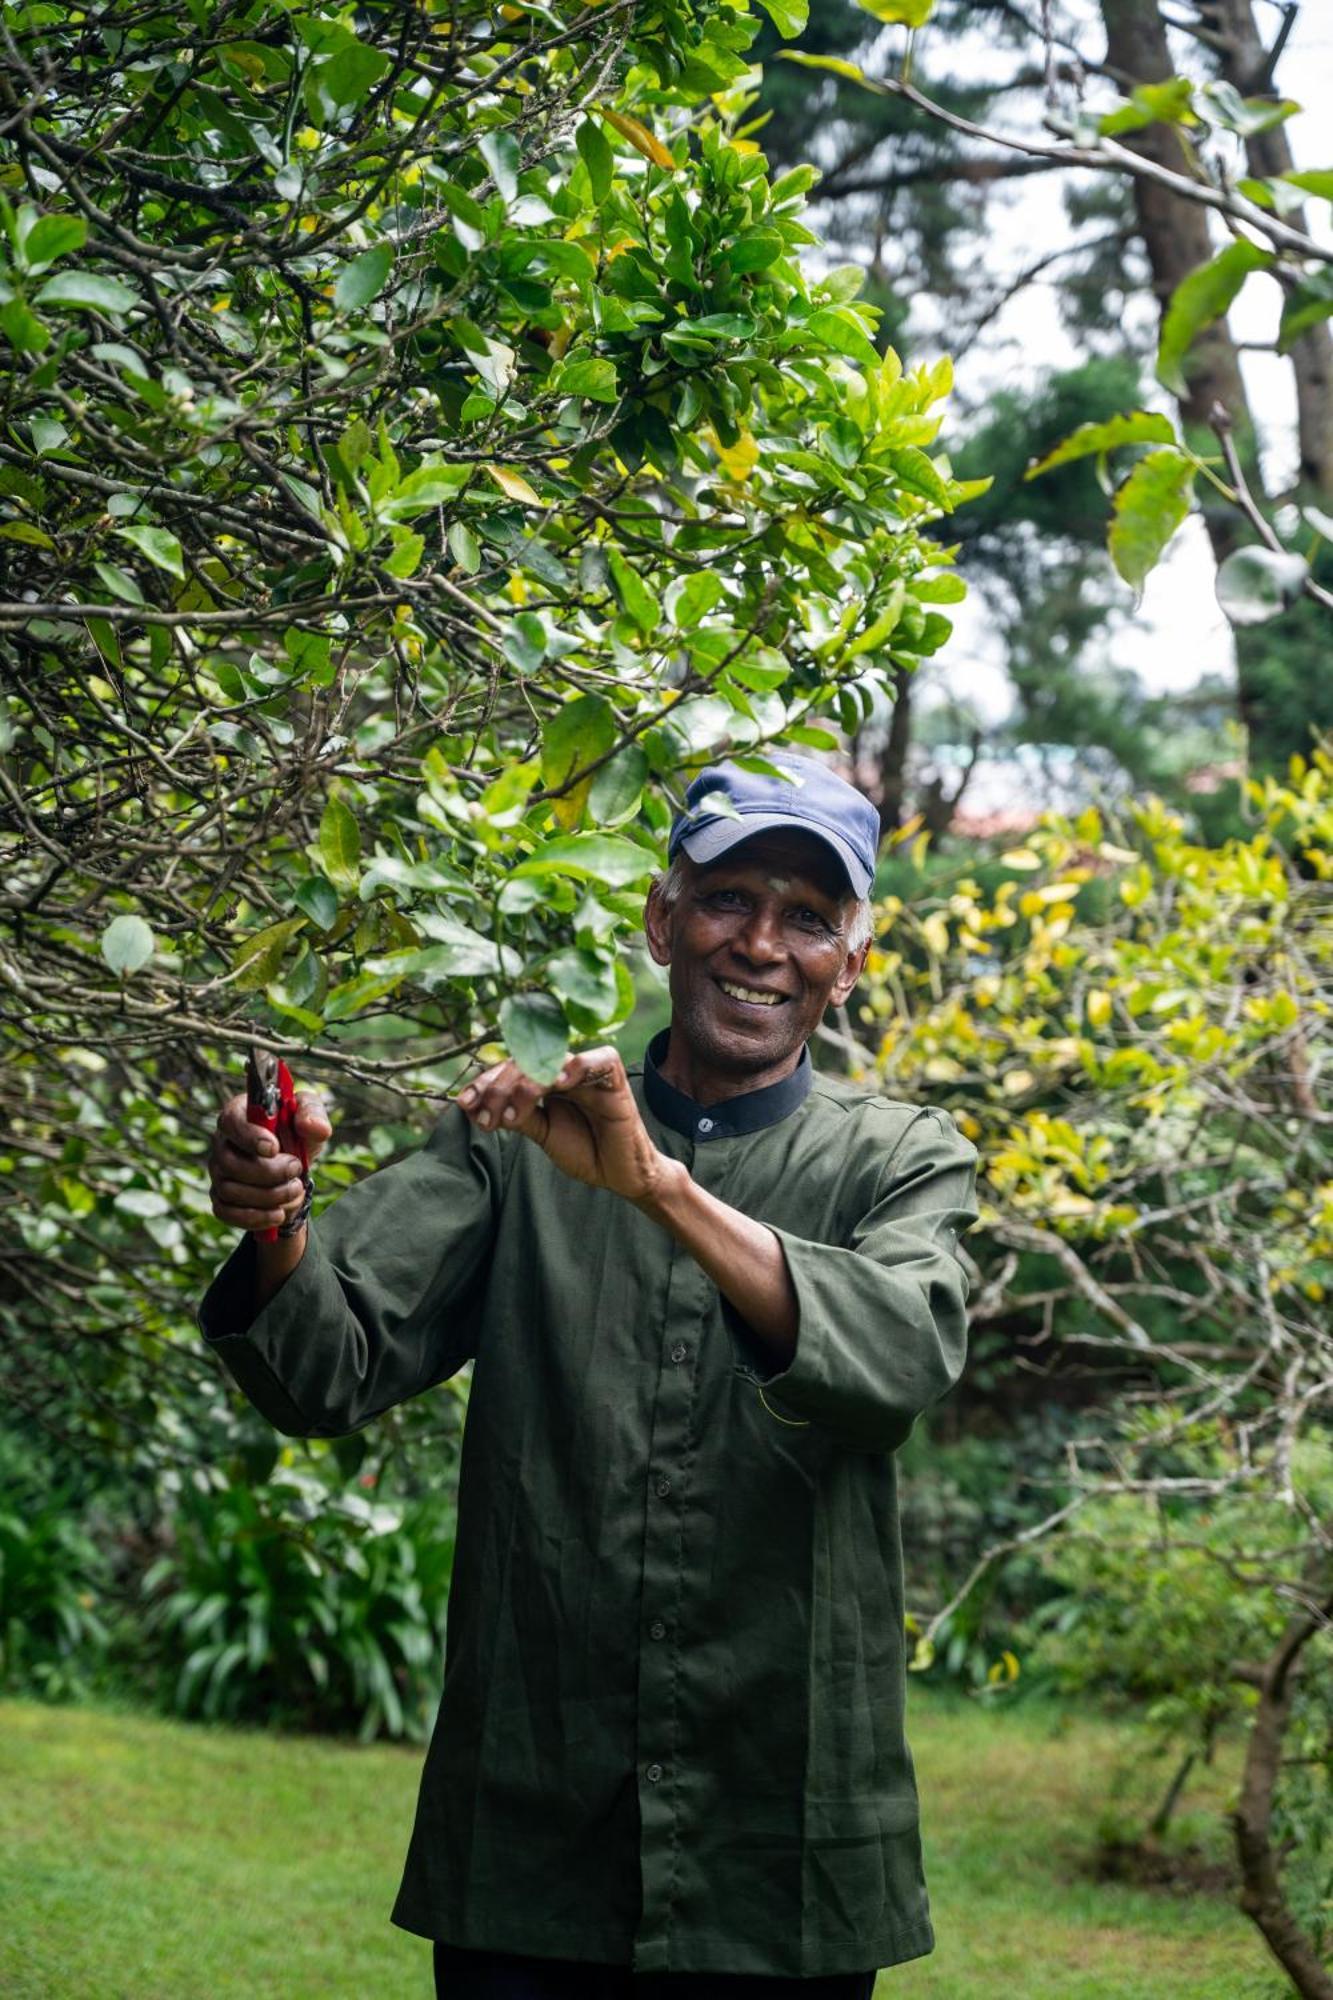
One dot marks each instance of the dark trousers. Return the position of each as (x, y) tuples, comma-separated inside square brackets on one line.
[(495, 1975)]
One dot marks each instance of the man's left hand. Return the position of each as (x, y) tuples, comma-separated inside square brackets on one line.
[(587, 1121)]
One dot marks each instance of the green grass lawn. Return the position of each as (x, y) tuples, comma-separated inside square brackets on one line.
[(151, 1860)]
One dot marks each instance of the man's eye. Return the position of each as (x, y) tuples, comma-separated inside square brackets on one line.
[(812, 918)]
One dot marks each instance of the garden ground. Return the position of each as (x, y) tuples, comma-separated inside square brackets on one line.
[(154, 1860)]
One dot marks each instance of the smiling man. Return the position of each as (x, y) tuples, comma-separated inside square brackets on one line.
[(706, 1299)]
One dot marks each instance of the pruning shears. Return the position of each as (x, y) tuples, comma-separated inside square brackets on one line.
[(270, 1101)]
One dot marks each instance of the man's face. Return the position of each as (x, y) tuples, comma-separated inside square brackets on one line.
[(756, 946)]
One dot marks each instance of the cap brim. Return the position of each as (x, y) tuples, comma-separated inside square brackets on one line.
[(711, 842)]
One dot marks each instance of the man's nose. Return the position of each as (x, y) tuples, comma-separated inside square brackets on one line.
[(760, 937)]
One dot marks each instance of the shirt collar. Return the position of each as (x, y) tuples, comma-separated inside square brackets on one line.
[(750, 1112)]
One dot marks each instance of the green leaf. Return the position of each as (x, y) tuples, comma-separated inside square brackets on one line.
[(595, 152), (1199, 300), (468, 956), (407, 553), (22, 328), (586, 981), (127, 944), (259, 957), (119, 582), (578, 733), (922, 476), (638, 600), (1245, 115), (617, 786), (836, 67), (1168, 103), (691, 598), (588, 377), (464, 547), (431, 485), (535, 1032), (1148, 508), (1316, 181), (755, 250), (500, 151), (591, 857), (363, 279), (319, 900), (340, 845), (159, 546), (1256, 584), (789, 17), (1304, 306), (904, 13), (53, 237), (348, 77), (1135, 427), (88, 291)]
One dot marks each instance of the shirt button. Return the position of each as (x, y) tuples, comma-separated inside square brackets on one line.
[(679, 1351), (658, 1629), (653, 1773), (705, 1124), (663, 1488)]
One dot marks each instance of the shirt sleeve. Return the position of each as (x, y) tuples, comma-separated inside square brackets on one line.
[(882, 1327), (385, 1301)]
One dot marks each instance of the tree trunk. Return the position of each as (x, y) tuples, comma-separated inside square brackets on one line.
[(1244, 63), (1261, 1895), (1176, 237)]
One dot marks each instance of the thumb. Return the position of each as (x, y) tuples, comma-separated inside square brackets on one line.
[(312, 1118)]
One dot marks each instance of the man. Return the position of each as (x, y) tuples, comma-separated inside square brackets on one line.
[(706, 1298)]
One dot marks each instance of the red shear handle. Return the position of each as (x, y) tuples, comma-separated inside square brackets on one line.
[(270, 1101)]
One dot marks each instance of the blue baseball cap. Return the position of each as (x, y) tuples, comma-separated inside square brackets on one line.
[(813, 800)]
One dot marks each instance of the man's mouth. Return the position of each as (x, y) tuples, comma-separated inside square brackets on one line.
[(754, 996)]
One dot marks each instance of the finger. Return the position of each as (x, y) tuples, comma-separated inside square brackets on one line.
[(483, 1100), (517, 1106), (230, 1163), (241, 1194), (600, 1069), (235, 1126), (312, 1116)]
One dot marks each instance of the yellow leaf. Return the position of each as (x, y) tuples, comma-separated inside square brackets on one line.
[(1099, 1007), (642, 140), (514, 484), (1020, 857), (517, 589), (739, 459)]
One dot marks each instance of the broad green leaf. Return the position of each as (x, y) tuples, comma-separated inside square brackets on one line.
[(1316, 181), (349, 76), (463, 547), (1305, 305), (586, 981), (1198, 301), (1168, 103), (577, 734), (119, 582), (755, 250), (127, 944), (536, 1034), (408, 550), (431, 485), (904, 13), (363, 279), (1135, 427), (1148, 508), (1256, 584), (596, 155), (589, 377), (158, 545), (691, 598), (617, 787), (500, 151), (53, 237), (436, 965), (1246, 115), (86, 289), (921, 475), (834, 64), (340, 845), (638, 600), (22, 328), (319, 899), (591, 857), (789, 17), (259, 957)]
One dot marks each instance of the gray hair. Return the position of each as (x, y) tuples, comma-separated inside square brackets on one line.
[(668, 888)]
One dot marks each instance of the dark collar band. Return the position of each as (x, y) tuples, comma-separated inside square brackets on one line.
[(750, 1112)]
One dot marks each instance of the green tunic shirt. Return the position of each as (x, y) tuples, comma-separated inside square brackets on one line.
[(671, 1732)]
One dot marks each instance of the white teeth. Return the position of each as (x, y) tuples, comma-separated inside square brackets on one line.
[(749, 993)]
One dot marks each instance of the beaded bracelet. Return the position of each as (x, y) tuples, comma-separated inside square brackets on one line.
[(302, 1216)]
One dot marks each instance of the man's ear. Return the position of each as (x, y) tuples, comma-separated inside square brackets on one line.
[(851, 972), (657, 921)]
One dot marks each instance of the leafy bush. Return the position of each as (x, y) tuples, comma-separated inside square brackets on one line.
[(52, 1635), (291, 1604)]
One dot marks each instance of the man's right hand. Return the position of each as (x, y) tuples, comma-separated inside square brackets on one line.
[(255, 1185)]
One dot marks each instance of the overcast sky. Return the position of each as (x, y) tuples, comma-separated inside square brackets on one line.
[(1178, 634)]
